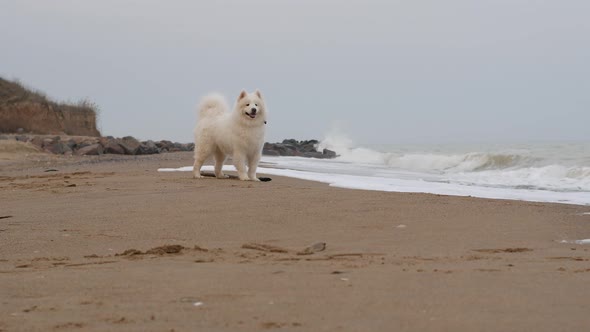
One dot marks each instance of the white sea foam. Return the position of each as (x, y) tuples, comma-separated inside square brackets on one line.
[(585, 241), (399, 184)]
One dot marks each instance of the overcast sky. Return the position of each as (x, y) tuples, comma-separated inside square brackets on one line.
[(386, 71)]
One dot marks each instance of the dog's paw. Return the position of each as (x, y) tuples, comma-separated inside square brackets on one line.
[(197, 176), (222, 176), (255, 179)]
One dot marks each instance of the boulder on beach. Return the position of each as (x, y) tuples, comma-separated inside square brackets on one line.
[(295, 148), (90, 150)]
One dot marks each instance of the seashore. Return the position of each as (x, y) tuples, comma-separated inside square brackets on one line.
[(107, 242)]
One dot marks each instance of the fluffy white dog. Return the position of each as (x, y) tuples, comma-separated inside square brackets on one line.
[(239, 134)]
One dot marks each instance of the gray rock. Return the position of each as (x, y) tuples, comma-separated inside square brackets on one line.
[(187, 146), (83, 143), (113, 147), (126, 145), (164, 145), (329, 153), (315, 154), (55, 145), (148, 147), (90, 150), (286, 149), (130, 144), (291, 141), (176, 147), (292, 147), (309, 147), (267, 152), (37, 141), (51, 145), (71, 144)]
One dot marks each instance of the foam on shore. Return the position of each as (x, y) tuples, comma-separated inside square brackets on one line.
[(397, 184), (585, 241)]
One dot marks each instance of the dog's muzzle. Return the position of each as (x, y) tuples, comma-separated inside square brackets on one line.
[(252, 113)]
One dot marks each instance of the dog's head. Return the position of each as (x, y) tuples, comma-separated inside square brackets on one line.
[(251, 107)]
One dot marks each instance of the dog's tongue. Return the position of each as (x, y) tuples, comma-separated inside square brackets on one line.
[(252, 116)]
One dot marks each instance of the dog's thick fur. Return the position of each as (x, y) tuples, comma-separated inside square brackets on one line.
[(239, 134)]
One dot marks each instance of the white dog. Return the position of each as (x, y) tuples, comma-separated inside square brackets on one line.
[(239, 134)]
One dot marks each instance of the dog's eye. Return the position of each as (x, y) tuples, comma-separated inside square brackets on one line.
[(247, 104), (255, 104)]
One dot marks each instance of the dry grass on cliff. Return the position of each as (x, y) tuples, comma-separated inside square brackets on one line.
[(12, 92)]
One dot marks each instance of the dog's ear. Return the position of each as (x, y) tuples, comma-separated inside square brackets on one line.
[(242, 94), (258, 93)]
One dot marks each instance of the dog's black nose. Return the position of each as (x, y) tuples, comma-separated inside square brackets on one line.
[(253, 111)]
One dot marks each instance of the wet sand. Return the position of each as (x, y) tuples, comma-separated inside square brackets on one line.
[(107, 243)]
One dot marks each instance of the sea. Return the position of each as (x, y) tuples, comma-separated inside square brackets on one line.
[(556, 172)]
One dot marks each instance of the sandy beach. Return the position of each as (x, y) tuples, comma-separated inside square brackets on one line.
[(107, 243)]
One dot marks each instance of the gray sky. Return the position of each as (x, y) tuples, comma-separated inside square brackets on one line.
[(386, 71)]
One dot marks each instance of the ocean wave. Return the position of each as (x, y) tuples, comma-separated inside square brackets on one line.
[(552, 177), (473, 161), (457, 162), (502, 168)]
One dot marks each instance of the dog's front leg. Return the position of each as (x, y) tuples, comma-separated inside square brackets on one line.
[(252, 166), (240, 164)]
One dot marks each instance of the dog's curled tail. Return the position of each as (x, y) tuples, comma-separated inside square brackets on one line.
[(212, 105)]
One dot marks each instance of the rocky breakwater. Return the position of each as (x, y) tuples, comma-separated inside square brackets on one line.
[(295, 148), (84, 145), (128, 145)]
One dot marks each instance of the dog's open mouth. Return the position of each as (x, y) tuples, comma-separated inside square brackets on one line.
[(252, 116)]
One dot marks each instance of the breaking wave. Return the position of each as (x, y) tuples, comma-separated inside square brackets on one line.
[(514, 168)]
